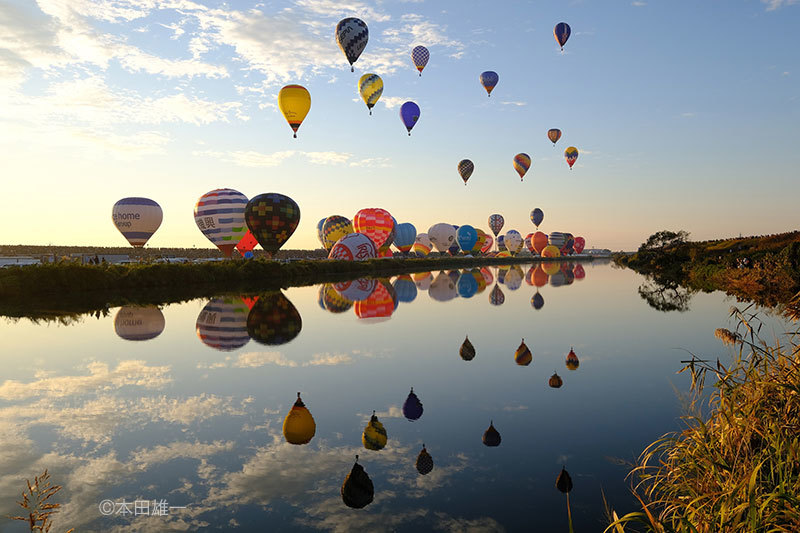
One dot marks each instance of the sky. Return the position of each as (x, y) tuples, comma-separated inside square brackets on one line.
[(686, 115)]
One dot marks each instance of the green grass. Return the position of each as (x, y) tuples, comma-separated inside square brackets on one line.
[(736, 465)]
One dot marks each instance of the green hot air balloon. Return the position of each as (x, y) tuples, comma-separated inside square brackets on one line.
[(272, 218)]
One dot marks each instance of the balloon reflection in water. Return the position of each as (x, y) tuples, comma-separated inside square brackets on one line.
[(332, 301), (424, 462), (572, 360), (467, 284), (569, 277), (422, 280), (443, 288), (550, 268), (537, 302), (555, 381), (355, 290), (491, 437), (299, 426), (501, 273), (467, 351), (381, 303), (579, 272), (273, 320), (479, 279), (412, 407), (222, 324), (357, 489), (134, 323), (487, 276), (405, 288), (513, 278), (374, 436), (540, 276), (496, 297), (557, 279), (523, 355)]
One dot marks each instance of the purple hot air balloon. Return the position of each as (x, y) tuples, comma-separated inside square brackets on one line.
[(412, 407), (409, 114)]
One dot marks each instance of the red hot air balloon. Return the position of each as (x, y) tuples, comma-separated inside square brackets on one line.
[(375, 223)]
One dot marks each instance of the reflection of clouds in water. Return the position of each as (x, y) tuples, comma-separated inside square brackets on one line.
[(515, 408), (100, 378), (463, 525), (259, 359), (392, 412)]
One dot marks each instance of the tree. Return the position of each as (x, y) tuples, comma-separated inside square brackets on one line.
[(664, 239)]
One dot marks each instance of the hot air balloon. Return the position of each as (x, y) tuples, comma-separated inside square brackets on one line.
[(333, 301), (334, 228), (352, 36), (424, 462), (354, 247), (529, 242), (513, 241), (454, 248), (579, 244), (537, 302), (405, 288), (220, 216), (523, 355), (557, 239), (420, 56), (370, 87), (135, 323), (272, 218), (443, 288), (571, 155), (465, 169), (466, 236), (273, 320), (247, 243), (442, 236), (489, 80), (299, 426), (555, 381), (294, 101), (561, 32), (422, 280), (404, 237), (467, 350), (467, 285), (496, 222), (379, 304), (412, 407), (374, 436), (222, 324), (540, 241), (496, 297), (491, 437), (137, 219), (554, 135), (375, 223), (357, 489), (522, 162), (572, 360), (551, 251), (488, 244), (422, 244), (550, 268), (409, 114), (479, 242), (513, 279), (579, 272), (356, 290), (537, 216)]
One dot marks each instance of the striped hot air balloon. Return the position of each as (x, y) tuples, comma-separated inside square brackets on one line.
[(370, 87), (375, 223), (554, 134), (219, 214), (352, 36), (222, 324), (571, 155), (522, 162), (137, 219), (134, 323)]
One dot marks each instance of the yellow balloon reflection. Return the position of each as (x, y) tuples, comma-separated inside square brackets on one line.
[(299, 426)]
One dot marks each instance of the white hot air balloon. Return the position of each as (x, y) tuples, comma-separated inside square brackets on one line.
[(442, 236), (135, 323), (219, 214), (137, 219)]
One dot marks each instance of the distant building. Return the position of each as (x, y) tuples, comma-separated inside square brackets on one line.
[(18, 260)]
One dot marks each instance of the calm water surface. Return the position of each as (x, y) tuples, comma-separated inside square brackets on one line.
[(160, 404)]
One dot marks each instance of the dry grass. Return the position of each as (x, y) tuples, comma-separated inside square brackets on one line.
[(36, 502), (736, 468)]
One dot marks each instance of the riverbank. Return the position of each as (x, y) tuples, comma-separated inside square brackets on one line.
[(65, 288), (764, 269)]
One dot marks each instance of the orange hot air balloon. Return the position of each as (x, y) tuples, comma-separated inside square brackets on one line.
[(523, 355), (375, 223), (539, 241), (554, 135), (540, 276), (555, 381), (572, 360)]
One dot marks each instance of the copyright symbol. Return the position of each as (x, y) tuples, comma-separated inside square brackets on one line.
[(106, 507)]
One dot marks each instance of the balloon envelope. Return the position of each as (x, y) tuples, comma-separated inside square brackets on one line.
[(356, 290), (513, 241), (467, 236), (422, 244), (554, 134), (537, 215), (405, 288), (443, 288), (571, 155), (539, 240), (370, 87), (375, 223), (551, 251), (220, 216), (412, 407), (273, 320), (489, 80), (404, 236), (294, 101), (379, 304), (522, 162), (272, 218), (562, 32), (579, 244), (420, 56), (334, 228), (442, 236), (134, 323), (467, 285), (409, 114), (352, 36), (357, 489), (354, 247), (222, 324), (496, 222), (137, 219), (465, 169)]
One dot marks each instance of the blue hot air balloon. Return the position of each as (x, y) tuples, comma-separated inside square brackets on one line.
[(489, 79), (412, 407), (561, 32), (467, 285), (405, 288), (537, 215), (466, 237), (409, 114), (404, 236)]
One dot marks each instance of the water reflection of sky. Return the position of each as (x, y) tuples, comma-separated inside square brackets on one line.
[(173, 418)]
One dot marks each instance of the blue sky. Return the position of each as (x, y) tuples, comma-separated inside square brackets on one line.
[(685, 115)]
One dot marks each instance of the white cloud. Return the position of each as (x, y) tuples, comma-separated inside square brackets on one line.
[(517, 104), (638, 4), (772, 5), (251, 158), (393, 101), (259, 359)]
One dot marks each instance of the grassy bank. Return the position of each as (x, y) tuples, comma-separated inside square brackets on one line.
[(64, 288), (764, 269), (736, 465)]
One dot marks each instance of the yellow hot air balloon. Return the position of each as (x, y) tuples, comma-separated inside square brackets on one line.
[(370, 87), (374, 436), (294, 102), (299, 426), (551, 251)]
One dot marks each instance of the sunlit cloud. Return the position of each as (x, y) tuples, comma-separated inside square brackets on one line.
[(772, 5)]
